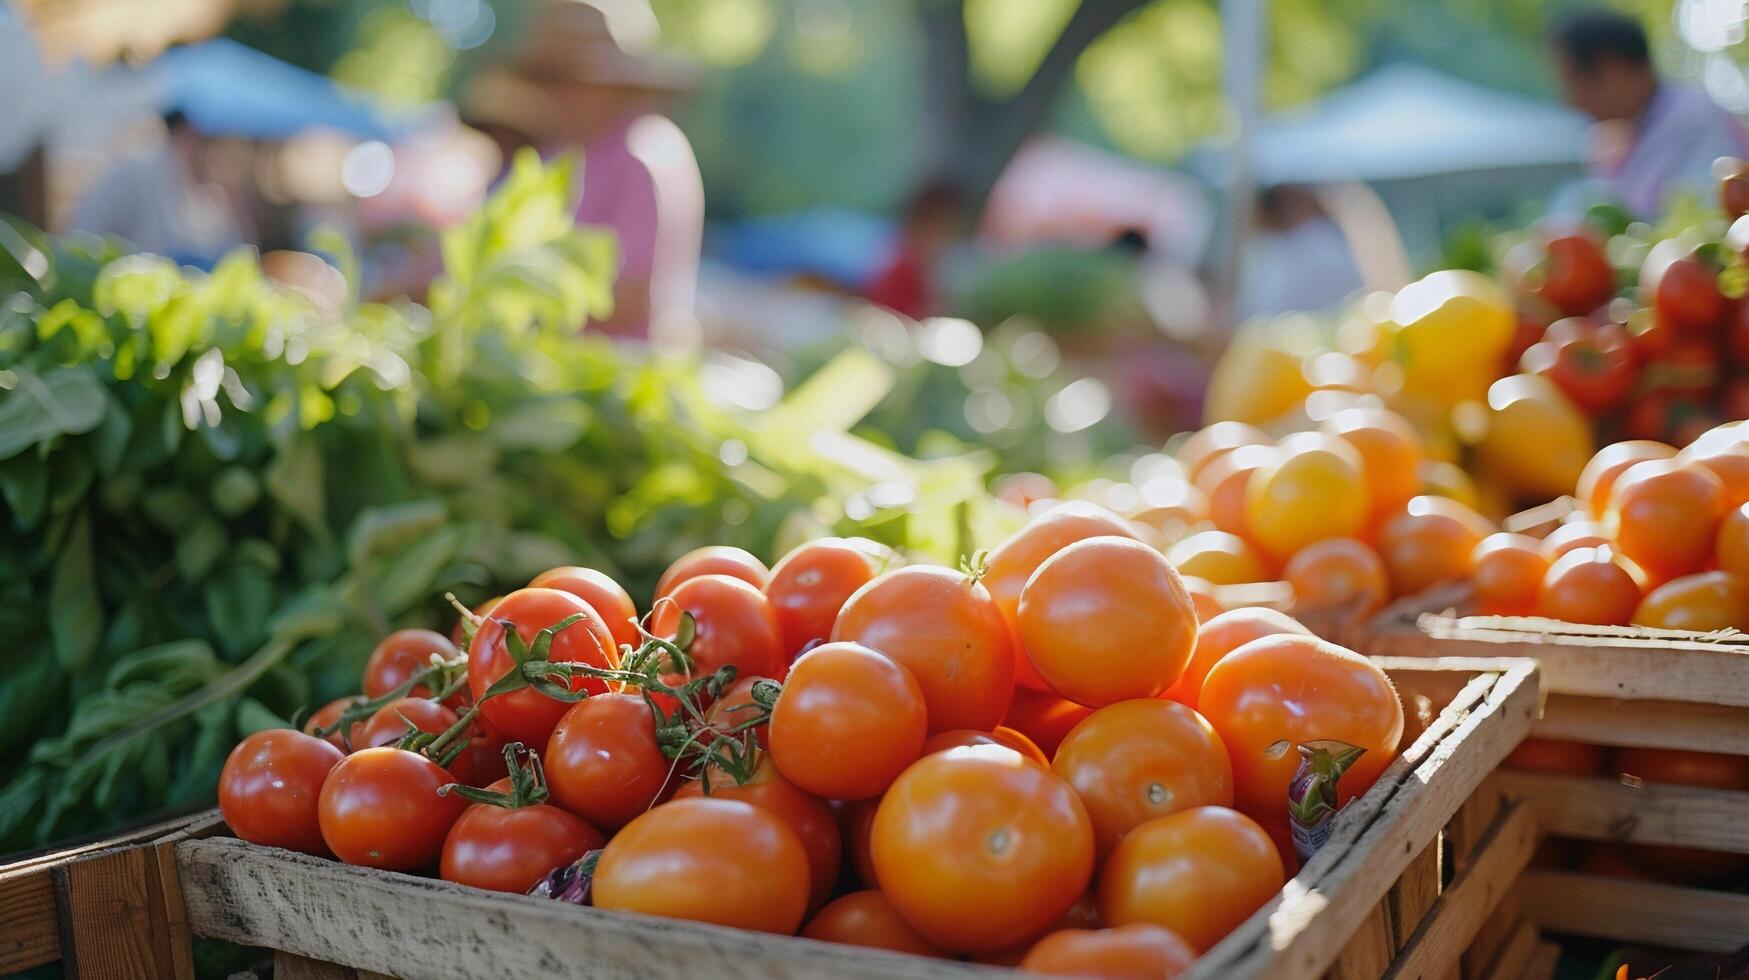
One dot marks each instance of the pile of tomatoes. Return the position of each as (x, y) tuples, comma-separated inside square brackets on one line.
[(1057, 755)]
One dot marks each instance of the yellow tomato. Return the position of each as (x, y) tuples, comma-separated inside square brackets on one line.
[(1389, 448), (1452, 328), (1255, 381), (1535, 441), (1704, 602), (1314, 489), (1218, 558), (1442, 479)]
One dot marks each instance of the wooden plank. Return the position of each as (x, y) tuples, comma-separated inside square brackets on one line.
[(1370, 950), (1543, 962), (289, 966), (1412, 898), (1596, 808), (1516, 954), (29, 935), (1626, 911), (113, 922), (1472, 822), (1646, 724), (1449, 927), (1300, 933)]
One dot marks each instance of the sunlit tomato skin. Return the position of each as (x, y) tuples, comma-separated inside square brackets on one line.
[(1135, 951), (1227, 483), (734, 621), (608, 598), (1013, 561), (979, 849), (1199, 873), (1685, 292), (330, 713), (527, 715), (1044, 717), (1732, 547), (399, 656), (1107, 619), (1430, 542), (1596, 371), (866, 918), (1590, 585), (603, 762), (1724, 449), (714, 559), (1684, 767), (1556, 756), (1599, 476), (381, 808), (806, 815), (1702, 603), (1576, 276), (1338, 574), (1315, 490), (1001, 735), (1390, 450), (720, 861), (1509, 568), (849, 721), (1301, 689), (389, 725), (1664, 516), (1210, 444), (510, 849), (1571, 535), (1136, 760), (1222, 635), (1219, 558), (270, 786), (810, 584), (944, 629), (1203, 598)]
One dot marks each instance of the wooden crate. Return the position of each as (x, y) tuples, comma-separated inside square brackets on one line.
[(1620, 687), (1411, 877)]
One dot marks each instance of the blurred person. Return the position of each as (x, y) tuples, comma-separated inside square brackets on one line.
[(164, 201), (575, 84), (1653, 136), (1297, 257), (910, 281)]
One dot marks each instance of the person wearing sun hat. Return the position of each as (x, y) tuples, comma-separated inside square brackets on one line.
[(584, 76)]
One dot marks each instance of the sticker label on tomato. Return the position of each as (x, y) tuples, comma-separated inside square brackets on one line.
[(1312, 796)]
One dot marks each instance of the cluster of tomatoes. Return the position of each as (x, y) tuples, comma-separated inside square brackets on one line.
[(1044, 757)]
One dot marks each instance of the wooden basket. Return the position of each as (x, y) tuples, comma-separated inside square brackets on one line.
[(1620, 687)]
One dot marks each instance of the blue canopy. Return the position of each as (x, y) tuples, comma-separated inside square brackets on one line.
[(229, 89), (1405, 121), (843, 246)]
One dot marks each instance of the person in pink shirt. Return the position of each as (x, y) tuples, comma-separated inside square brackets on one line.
[(1654, 138)]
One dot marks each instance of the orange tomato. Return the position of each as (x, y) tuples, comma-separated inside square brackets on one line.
[(1001, 735), (848, 722), (1590, 585), (979, 849), (1732, 547), (1724, 450), (611, 602), (1684, 767), (1599, 475), (1227, 483), (1106, 619), (1044, 717), (806, 815), (1339, 573), (671, 861), (1218, 558), (734, 621), (714, 559), (1509, 568), (1299, 689), (1703, 602), (1170, 506), (734, 707), (1140, 950), (1664, 515), (1556, 756), (1314, 490), (866, 918), (1136, 760), (1430, 542), (948, 632), (1390, 451), (1202, 596), (1210, 444), (1573, 534), (1199, 873), (1222, 635), (809, 585), (1013, 561)]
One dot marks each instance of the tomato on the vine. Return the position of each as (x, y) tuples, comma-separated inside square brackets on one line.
[(381, 808), (1575, 275), (390, 724), (808, 816), (849, 720), (400, 656), (527, 715), (734, 624), (714, 559), (270, 786), (603, 762), (810, 584), (1595, 370), (736, 706), (1198, 873), (510, 839), (1684, 288), (330, 713), (608, 598)]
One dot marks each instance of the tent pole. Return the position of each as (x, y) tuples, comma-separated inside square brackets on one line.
[(1242, 64)]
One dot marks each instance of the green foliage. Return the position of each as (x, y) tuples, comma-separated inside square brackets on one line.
[(218, 496)]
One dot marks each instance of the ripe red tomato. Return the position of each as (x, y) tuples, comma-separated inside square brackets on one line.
[(1684, 287), (1045, 718), (509, 849), (718, 861), (810, 584), (527, 715), (1299, 689), (380, 808), (1001, 735), (1596, 370), (1734, 398), (399, 656), (848, 722), (735, 624), (603, 762), (1664, 516), (947, 631), (389, 725), (1136, 760), (330, 713), (1199, 873), (1222, 635), (1667, 415), (979, 849), (806, 815), (735, 707), (1106, 619), (866, 918), (1737, 336), (270, 785), (1684, 767), (1575, 276), (714, 559), (608, 598), (1136, 950), (1556, 756), (1509, 568), (1591, 585)]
